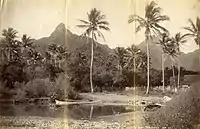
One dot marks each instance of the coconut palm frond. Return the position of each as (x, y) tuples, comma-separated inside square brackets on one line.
[(136, 18), (189, 29), (101, 17), (104, 28), (149, 8), (193, 27), (82, 26), (101, 35), (198, 24), (161, 18), (103, 23), (84, 22), (162, 28)]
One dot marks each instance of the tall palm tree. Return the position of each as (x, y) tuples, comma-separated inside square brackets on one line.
[(172, 52), (179, 39), (194, 31), (121, 54), (133, 55), (150, 23), (96, 21), (163, 41)]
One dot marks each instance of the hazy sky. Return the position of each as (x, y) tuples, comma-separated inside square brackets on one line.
[(38, 18)]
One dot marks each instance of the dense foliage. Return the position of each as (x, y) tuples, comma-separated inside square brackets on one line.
[(26, 72)]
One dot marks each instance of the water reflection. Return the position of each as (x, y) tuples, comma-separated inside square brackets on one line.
[(83, 111)]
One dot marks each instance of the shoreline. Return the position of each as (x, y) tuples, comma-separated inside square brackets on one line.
[(61, 123)]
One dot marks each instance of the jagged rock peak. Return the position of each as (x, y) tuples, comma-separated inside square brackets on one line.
[(61, 29)]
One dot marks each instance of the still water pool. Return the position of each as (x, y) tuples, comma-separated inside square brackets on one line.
[(78, 112)]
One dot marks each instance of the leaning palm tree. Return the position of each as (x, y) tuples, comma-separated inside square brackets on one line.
[(151, 25), (179, 39), (194, 31), (163, 41), (133, 55), (96, 21)]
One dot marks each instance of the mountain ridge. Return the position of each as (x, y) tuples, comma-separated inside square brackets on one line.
[(64, 36)]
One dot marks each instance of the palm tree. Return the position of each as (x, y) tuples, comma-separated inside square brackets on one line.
[(62, 55), (96, 21), (26, 46), (27, 41), (165, 39), (57, 54), (194, 31), (10, 43), (120, 53), (53, 53), (179, 39), (151, 25), (172, 51), (133, 55)]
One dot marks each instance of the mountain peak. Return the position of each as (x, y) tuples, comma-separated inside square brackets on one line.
[(60, 30), (61, 26)]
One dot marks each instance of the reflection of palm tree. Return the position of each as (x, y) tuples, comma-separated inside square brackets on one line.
[(95, 22), (91, 111), (194, 31), (151, 24)]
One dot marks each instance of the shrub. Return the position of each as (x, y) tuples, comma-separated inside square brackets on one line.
[(20, 93), (5, 92), (40, 88), (64, 89)]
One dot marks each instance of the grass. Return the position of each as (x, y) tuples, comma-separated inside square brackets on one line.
[(182, 112)]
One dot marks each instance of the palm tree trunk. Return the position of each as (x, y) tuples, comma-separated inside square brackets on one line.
[(178, 81), (134, 69), (91, 64), (163, 72), (9, 54), (120, 70), (147, 92), (199, 57), (55, 60), (173, 73)]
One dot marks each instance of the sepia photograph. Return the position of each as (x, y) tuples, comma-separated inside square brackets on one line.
[(100, 64)]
